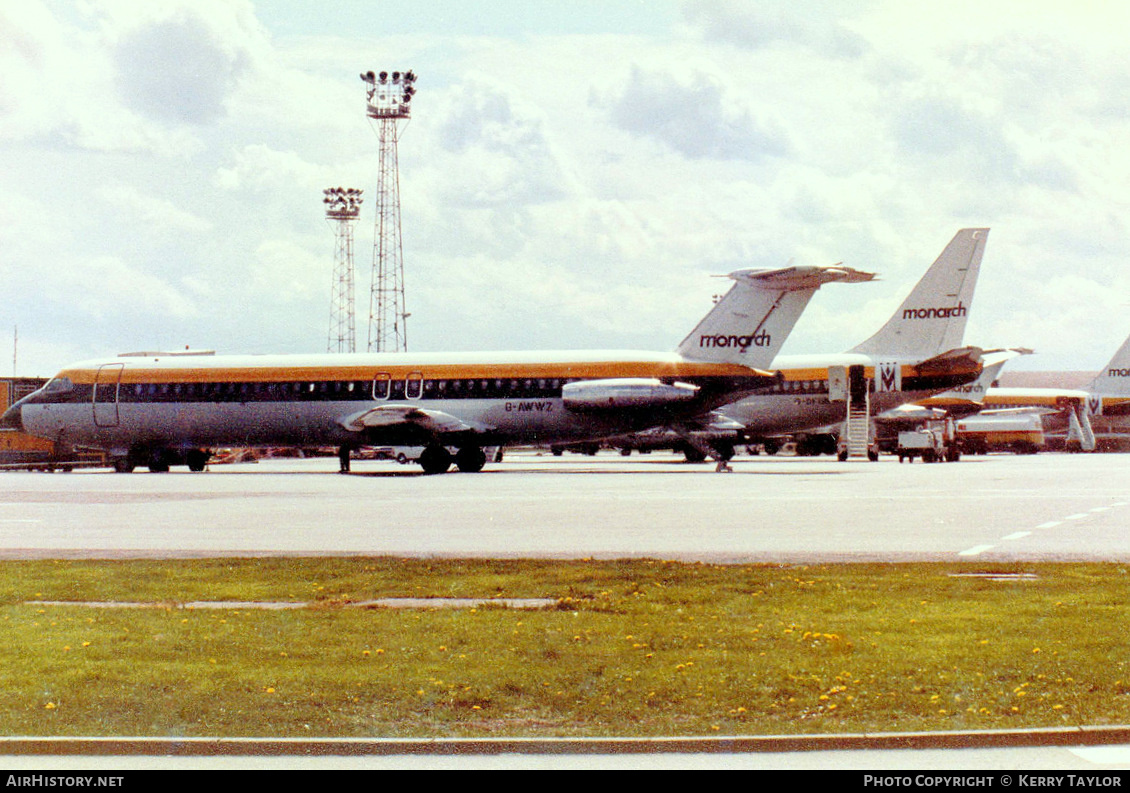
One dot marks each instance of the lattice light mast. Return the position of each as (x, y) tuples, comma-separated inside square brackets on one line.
[(343, 206), (389, 97)]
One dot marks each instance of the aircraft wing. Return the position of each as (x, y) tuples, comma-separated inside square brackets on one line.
[(713, 422), (406, 421)]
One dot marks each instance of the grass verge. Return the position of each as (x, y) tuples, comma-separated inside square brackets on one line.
[(631, 648)]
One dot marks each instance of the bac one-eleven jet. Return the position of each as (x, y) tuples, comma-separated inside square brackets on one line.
[(159, 409)]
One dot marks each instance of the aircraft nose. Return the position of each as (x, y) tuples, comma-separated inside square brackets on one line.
[(13, 418)]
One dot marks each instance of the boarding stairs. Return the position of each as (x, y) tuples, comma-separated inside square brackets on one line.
[(855, 437), (1079, 428)]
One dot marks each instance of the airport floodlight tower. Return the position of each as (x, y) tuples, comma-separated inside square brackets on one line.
[(389, 99), (343, 205)]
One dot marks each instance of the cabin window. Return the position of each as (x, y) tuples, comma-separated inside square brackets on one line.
[(413, 385), (381, 386)]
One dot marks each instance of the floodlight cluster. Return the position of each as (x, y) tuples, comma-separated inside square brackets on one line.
[(342, 202), (389, 94)]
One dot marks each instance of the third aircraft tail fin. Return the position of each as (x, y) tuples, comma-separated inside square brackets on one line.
[(1114, 379)]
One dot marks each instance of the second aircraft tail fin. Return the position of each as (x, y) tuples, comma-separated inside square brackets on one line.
[(751, 322), (932, 318)]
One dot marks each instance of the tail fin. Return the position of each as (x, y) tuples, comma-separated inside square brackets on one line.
[(932, 318), (1114, 379), (751, 322), (971, 396)]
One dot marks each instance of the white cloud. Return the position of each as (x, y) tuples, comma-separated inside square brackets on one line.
[(811, 24), (151, 210), (560, 189), (178, 70), (692, 116), (107, 289)]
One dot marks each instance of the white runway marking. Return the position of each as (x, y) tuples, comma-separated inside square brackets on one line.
[(976, 549), (1051, 524)]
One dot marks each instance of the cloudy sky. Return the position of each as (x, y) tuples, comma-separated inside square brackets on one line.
[(573, 173)]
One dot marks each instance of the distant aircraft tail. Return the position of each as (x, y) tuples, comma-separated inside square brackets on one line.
[(971, 396), (751, 322), (1114, 379), (932, 318)]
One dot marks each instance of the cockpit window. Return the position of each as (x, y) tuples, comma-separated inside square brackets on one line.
[(58, 385)]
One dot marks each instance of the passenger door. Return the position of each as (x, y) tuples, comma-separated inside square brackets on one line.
[(107, 382)]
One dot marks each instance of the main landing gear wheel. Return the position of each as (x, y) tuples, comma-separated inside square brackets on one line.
[(470, 459), (724, 452), (197, 460), (435, 460), (692, 454), (158, 462)]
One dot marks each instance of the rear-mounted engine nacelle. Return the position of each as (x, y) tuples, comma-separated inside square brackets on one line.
[(629, 392)]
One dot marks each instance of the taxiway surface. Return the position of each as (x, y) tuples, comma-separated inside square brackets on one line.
[(1047, 507)]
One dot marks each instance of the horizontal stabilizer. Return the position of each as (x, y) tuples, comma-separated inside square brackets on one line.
[(963, 359), (791, 279), (971, 396)]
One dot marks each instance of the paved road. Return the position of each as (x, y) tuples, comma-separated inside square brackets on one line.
[(1000, 507)]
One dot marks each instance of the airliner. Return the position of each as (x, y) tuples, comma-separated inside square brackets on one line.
[(158, 409), (1092, 417), (918, 352)]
